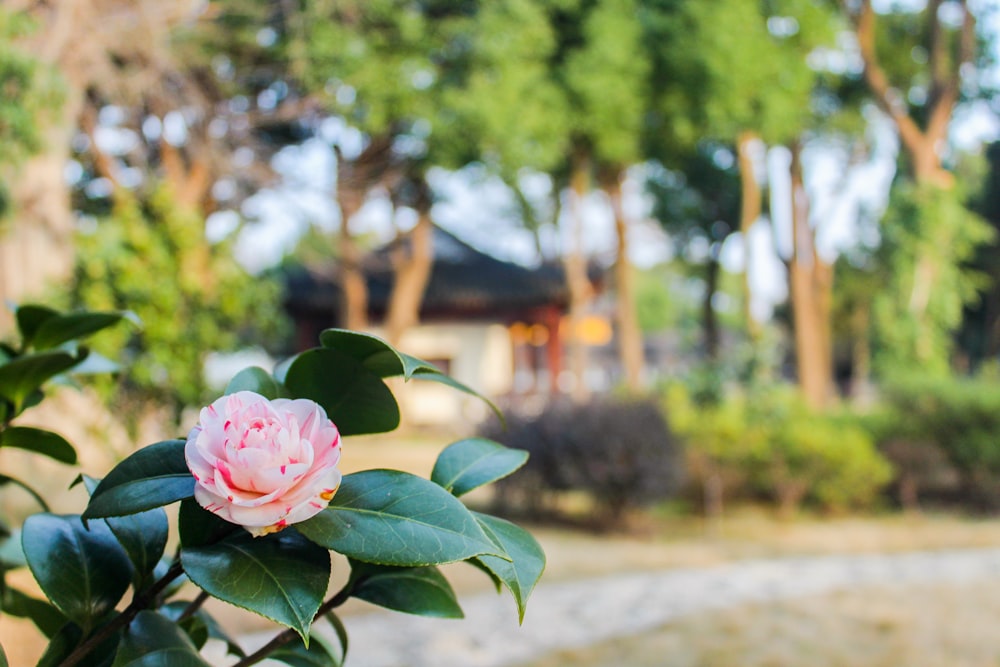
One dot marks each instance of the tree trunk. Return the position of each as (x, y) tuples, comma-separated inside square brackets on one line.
[(811, 285), (354, 309), (412, 266), (576, 275), (751, 204), (629, 336)]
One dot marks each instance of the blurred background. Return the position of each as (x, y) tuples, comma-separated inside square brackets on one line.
[(731, 267)]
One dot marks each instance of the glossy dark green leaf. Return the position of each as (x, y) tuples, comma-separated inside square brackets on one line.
[(258, 381), (395, 518), (55, 331), (46, 618), (355, 399), (151, 477), (30, 317), (282, 576), (22, 376), (198, 527), (7, 479), (319, 653), (84, 573), (173, 611), (152, 640), (522, 572), (412, 590), (144, 538), (67, 638), (341, 632), (385, 361), (39, 441), (474, 462)]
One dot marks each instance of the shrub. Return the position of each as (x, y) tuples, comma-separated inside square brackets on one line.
[(771, 445), (619, 452), (960, 418)]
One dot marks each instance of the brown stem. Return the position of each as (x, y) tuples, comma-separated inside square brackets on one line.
[(288, 635), (140, 602), (193, 607)]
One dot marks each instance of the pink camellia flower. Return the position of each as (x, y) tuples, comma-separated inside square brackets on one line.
[(263, 464)]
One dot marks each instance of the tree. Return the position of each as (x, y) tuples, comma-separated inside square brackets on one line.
[(698, 205), (149, 256), (918, 86)]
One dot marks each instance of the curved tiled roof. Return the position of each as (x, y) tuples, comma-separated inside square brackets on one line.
[(464, 281)]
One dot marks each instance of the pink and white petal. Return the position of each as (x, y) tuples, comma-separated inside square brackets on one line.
[(262, 516), (313, 485), (212, 502), (307, 510)]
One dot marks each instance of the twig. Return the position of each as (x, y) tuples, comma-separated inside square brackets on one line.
[(139, 603), (193, 607), (288, 635)]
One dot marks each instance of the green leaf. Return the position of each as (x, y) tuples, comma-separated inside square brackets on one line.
[(522, 572), (385, 361), (474, 462), (20, 377), (152, 640), (258, 381), (355, 399), (151, 477), (30, 317), (318, 654), (7, 479), (84, 573), (57, 330), (412, 590), (11, 553), (282, 576), (144, 538), (198, 527), (341, 631), (68, 638), (47, 618), (40, 441), (3, 658), (395, 518), (173, 610)]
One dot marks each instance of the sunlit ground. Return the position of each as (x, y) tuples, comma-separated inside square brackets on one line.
[(916, 625)]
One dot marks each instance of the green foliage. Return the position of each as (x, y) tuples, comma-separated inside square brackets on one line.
[(282, 577), (394, 527), (770, 444), (30, 91), (153, 256), (958, 417), (83, 570), (412, 590), (390, 517), (468, 464), (606, 79), (929, 236)]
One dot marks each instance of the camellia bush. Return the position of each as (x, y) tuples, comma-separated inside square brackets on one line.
[(261, 504)]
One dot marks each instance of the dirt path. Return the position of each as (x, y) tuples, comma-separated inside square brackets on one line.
[(581, 613)]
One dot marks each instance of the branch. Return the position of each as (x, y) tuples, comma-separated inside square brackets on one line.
[(140, 602), (878, 81), (288, 635)]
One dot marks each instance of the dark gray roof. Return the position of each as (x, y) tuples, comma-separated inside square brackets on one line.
[(464, 281)]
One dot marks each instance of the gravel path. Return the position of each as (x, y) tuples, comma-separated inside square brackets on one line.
[(580, 613)]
